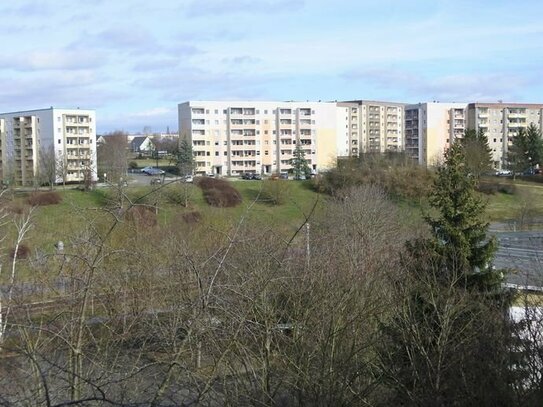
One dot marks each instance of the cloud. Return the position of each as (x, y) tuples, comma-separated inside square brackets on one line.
[(199, 8), (242, 60), (53, 60), (154, 112), (458, 87), (131, 40), (69, 89)]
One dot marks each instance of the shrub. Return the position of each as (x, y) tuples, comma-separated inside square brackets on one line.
[(133, 165), (275, 191), (23, 252), (218, 192), (44, 198), (142, 216), (491, 188), (407, 181), (192, 217)]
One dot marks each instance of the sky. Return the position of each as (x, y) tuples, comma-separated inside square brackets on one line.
[(135, 61)]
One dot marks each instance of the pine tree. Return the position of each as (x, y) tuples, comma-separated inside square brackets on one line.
[(534, 145), (185, 158), (526, 151), (459, 239), (299, 163), (477, 151)]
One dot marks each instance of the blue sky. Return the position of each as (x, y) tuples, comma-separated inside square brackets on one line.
[(134, 61)]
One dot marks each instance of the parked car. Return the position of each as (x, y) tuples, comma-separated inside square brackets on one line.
[(257, 177), (248, 175), (283, 175), (187, 178), (300, 177), (153, 171), (504, 173)]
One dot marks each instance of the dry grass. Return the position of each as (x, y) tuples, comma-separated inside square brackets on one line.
[(219, 193), (44, 198)]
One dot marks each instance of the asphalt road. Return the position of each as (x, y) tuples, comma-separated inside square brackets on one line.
[(522, 253)]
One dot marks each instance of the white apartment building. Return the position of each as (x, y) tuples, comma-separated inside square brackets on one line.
[(501, 123), (430, 128), (235, 137), (374, 126), (66, 135)]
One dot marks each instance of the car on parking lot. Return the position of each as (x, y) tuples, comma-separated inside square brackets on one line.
[(152, 171), (187, 178), (504, 173), (251, 175), (155, 171), (283, 175)]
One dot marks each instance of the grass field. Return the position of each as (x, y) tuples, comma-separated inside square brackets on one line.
[(79, 209)]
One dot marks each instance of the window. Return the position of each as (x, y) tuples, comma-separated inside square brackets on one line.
[(59, 129), (216, 153), (216, 111), (59, 141), (58, 119), (225, 153)]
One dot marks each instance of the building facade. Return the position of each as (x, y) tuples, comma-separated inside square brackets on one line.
[(430, 128), (232, 138), (34, 139), (501, 122), (374, 126)]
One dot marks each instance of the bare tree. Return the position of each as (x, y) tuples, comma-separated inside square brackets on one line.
[(112, 157)]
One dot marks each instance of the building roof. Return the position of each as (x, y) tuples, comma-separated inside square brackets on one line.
[(504, 105), (138, 141)]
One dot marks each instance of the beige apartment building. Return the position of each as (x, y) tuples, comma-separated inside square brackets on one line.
[(373, 126), (430, 128), (29, 138), (501, 123), (236, 137)]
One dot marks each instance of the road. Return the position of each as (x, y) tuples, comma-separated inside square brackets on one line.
[(523, 253)]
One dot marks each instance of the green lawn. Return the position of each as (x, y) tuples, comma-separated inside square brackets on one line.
[(527, 199), (78, 209)]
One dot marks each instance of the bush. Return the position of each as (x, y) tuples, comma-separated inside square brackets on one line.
[(218, 192), (275, 191), (133, 165), (44, 198), (491, 188), (404, 181), (23, 252), (142, 216), (192, 217)]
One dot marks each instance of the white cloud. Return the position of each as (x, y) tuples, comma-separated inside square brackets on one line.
[(154, 112)]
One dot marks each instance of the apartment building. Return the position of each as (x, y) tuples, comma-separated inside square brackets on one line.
[(235, 137), (374, 126), (67, 136), (501, 123), (430, 128)]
